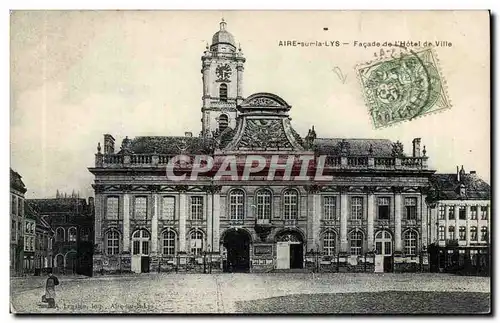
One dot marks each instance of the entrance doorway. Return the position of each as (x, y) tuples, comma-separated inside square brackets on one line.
[(140, 251), (289, 251), (237, 244), (383, 252)]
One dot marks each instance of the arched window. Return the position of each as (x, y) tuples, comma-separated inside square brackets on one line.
[(484, 233), (329, 243), (410, 239), (72, 234), (473, 233), (383, 243), (462, 232), (223, 122), (60, 261), (196, 242), (290, 204), (60, 234), (451, 233), (113, 242), (263, 201), (356, 243), (140, 242), (223, 92), (85, 234), (169, 243), (236, 204)]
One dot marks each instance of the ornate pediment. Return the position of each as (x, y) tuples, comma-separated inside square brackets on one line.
[(263, 102)]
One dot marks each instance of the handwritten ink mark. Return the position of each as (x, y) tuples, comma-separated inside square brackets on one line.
[(339, 73)]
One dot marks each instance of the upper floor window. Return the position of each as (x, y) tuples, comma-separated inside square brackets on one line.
[(451, 233), (168, 208), (461, 212), (484, 233), (484, 212), (263, 198), (13, 204), (196, 207), (451, 213), (442, 210), (140, 207), (290, 204), (441, 235), (411, 208), (236, 204), (462, 233), (85, 234), (20, 207), (473, 212), (329, 207), (223, 92), (72, 234), (112, 208), (356, 208), (383, 208), (223, 122), (473, 233)]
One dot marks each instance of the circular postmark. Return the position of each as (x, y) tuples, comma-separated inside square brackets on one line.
[(403, 87)]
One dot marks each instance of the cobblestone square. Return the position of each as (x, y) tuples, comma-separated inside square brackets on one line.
[(242, 293)]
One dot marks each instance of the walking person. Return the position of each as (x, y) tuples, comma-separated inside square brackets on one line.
[(50, 290)]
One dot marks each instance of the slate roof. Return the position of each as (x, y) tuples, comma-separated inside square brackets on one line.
[(60, 205), (357, 147), (169, 145), (447, 187)]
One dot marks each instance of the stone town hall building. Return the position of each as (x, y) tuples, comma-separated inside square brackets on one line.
[(371, 216)]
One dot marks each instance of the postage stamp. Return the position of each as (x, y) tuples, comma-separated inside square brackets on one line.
[(403, 87)]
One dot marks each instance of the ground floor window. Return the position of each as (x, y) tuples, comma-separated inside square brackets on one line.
[(356, 243), (329, 243)]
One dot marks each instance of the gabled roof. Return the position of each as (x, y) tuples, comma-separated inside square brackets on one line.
[(356, 147), (16, 182), (447, 187)]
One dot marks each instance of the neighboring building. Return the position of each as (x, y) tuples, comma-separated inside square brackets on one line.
[(29, 239), (460, 221), (371, 217), (17, 191), (71, 219)]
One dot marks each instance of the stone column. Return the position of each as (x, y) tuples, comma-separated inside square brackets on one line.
[(456, 222), (488, 223), (397, 222), (310, 221), (182, 222), (371, 216), (216, 215), (154, 226), (316, 226), (343, 221), (239, 69), (99, 216), (467, 223), (422, 214), (126, 222)]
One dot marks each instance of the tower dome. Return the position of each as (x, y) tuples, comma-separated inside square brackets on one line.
[(223, 36)]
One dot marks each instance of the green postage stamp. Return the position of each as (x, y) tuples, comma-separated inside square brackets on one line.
[(403, 87)]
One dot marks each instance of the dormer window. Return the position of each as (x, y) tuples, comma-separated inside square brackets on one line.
[(462, 190), (223, 92)]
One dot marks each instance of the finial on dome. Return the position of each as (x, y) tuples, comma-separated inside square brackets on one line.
[(223, 24), (206, 45), (239, 47)]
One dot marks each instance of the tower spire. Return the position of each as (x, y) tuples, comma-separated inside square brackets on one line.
[(223, 24)]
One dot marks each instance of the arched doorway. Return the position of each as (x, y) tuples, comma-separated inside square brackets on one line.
[(237, 244), (140, 251), (289, 250), (70, 262), (383, 251)]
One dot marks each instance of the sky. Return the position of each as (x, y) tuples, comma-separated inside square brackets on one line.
[(77, 75)]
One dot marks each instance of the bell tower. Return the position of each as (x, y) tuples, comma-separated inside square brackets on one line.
[(222, 75)]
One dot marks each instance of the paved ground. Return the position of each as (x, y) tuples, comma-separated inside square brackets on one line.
[(232, 293)]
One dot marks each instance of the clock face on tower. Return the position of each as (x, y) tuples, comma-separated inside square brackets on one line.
[(223, 72)]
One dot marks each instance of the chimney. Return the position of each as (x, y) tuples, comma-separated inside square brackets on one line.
[(458, 174), (188, 134), (473, 172), (416, 147), (109, 144)]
